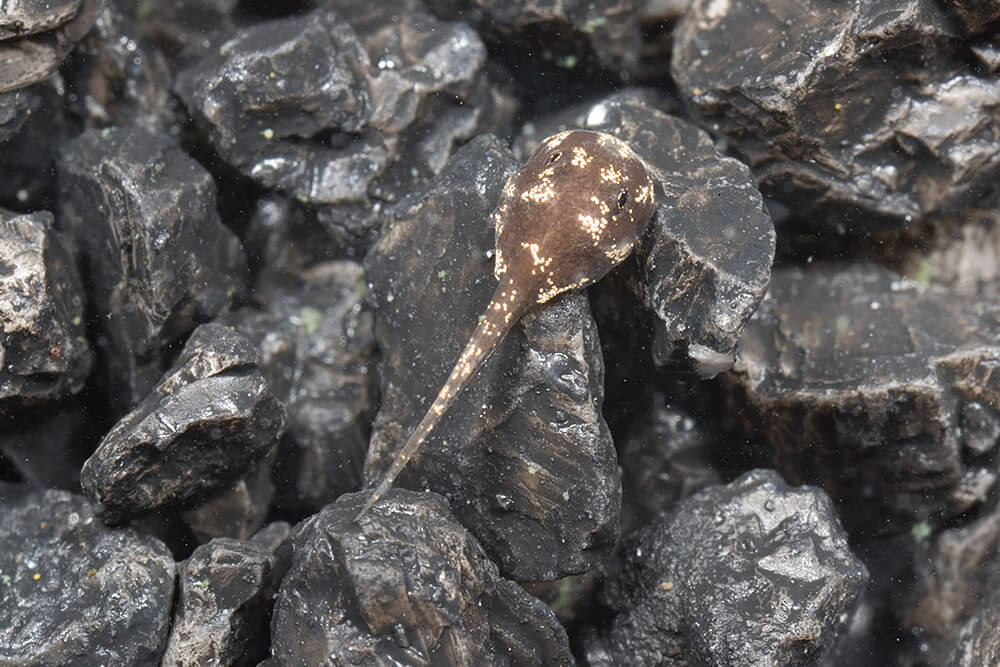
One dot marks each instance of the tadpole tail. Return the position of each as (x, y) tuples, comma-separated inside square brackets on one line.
[(503, 310)]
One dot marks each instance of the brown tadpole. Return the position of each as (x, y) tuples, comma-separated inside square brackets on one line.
[(567, 217)]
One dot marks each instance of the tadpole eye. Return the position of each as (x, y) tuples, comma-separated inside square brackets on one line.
[(555, 157), (622, 199)]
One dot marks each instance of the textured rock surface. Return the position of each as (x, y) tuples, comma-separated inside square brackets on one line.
[(125, 80), (47, 445), (27, 18), (954, 602), (978, 643), (36, 36), (237, 512), (393, 87), (976, 17), (750, 573), (666, 457), (226, 591), (330, 397), (960, 253), (413, 591), (878, 389), (572, 28), (157, 257), (509, 452), (36, 122), (854, 117), (706, 261), (14, 106), (281, 80), (823, 115), (44, 354), (207, 422), (74, 592)]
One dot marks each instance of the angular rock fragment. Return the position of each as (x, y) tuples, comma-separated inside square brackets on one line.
[(978, 643), (408, 585), (316, 349), (226, 593), (14, 110), (330, 398), (989, 55), (415, 57), (876, 388), (706, 260), (608, 28), (274, 537), (431, 92), (960, 254), (282, 235), (343, 110), (861, 116), (48, 444), (236, 512), (976, 17), (27, 61), (157, 257), (954, 607), (282, 81), (207, 422), (665, 458), (187, 29), (751, 573), (33, 123), (22, 17), (36, 36), (126, 79), (75, 592), (44, 354), (523, 454)]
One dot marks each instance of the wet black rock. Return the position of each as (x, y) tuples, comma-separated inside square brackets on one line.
[(237, 512), (75, 592), (226, 593), (187, 29), (35, 127), (331, 395), (315, 130), (960, 253), (572, 30), (158, 259), (283, 80), (207, 422), (35, 36), (954, 607), (282, 235), (48, 444), (978, 643), (977, 18), (751, 573), (523, 454), (343, 110), (706, 259), (877, 388), (27, 18), (14, 106), (666, 457), (407, 586), (44, 354), (119, 77), (861, 115)]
